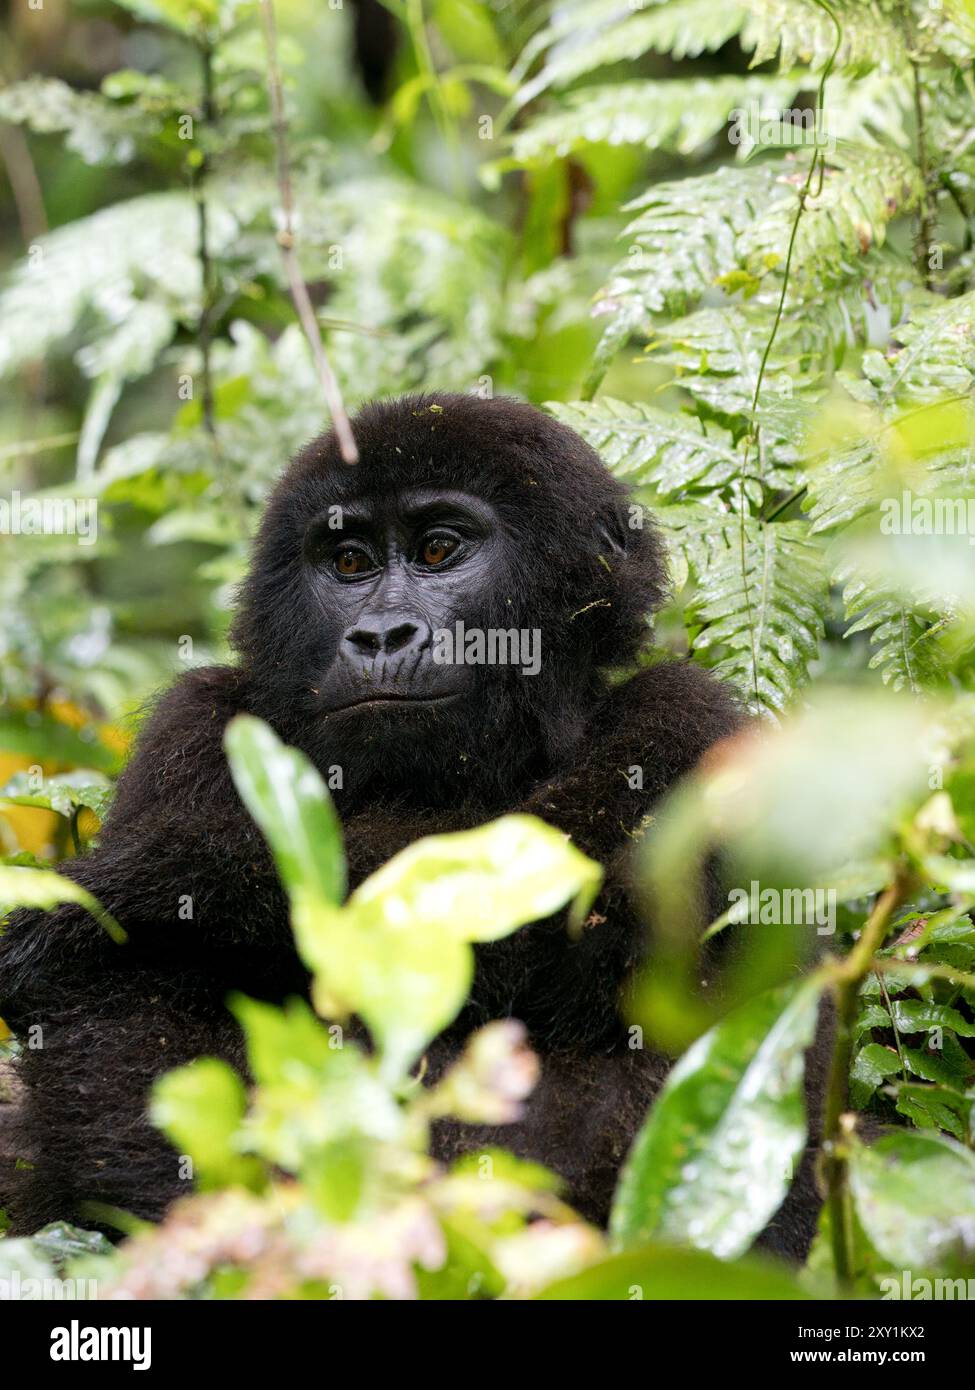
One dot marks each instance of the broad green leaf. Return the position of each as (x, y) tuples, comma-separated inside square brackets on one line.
[(871, 1068), (405, 983), (290, 802), (43, 888), (662, 1273), (716, 1156), (482, 884), (64, 793), (398, 954), (921, 1016), (318, 1098), (915, 1195), (200, 1107)]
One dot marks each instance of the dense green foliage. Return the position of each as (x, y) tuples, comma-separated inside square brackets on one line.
[(767, 327)]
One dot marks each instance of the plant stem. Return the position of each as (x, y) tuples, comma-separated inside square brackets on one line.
[(818, 161), (287, 241), (416, 25), (205, 327), (926, 224), (846, 984)]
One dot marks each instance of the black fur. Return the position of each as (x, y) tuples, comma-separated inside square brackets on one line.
[(562, 559)]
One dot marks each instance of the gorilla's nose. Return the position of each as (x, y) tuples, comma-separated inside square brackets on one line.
[(397, 635)]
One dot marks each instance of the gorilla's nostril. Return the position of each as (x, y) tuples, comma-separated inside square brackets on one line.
[(365, 640), (398, 637)]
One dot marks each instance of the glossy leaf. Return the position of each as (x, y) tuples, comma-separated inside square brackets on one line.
[(716, 1155)]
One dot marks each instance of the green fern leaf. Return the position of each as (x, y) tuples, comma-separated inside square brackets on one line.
[(680, 114), (99, 130), (933, 354), (902, 633), (685, 237), (602, 35), (800, 31), (672, 452), (761, 602), (143, 249), (717, 354), (863, 190)]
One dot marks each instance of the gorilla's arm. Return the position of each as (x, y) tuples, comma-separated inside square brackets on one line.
[(180, 864), (183, 868)]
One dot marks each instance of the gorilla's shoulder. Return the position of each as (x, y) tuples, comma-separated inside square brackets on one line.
[(179, 749), (672, 712)]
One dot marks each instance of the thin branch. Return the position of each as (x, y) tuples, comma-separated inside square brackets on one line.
[(847, 979), (24, 183), (205, 326), (927, 227), (287, 242), (754, 434)]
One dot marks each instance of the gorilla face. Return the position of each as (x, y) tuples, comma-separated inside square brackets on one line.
[(388, 574), (485, 517)]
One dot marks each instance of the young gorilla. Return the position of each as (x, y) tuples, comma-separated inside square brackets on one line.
[(486, 513)]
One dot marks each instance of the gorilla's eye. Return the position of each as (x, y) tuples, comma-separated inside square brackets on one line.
[(436, 549), (350, 560)]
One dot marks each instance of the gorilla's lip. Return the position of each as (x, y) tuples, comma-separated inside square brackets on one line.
[(392, 699)]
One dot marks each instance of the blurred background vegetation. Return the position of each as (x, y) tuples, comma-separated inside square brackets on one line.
[(596, 205)]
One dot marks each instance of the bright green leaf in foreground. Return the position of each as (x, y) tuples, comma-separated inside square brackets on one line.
[(398, 954), (659, 1272), (480, 885), (715, 1158), (915, 1196), (200, 1107), (290, 803)]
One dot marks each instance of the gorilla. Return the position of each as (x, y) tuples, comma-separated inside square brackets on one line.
[(481, 513)]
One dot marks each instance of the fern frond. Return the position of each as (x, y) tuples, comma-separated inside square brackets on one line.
[(864, 188), (762, 606), (680, 114), (905, 654), (800, 31), (685, 237), (672, 452), (717, 354), (947, 28), (427, 270), (843, 486), (873, 108), (603, 35), (933, 353), (692, 233), (142, 249)]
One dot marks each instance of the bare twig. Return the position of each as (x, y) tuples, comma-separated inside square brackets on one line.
[(286, 240), (926, 225), (24, 184), (205, 327)]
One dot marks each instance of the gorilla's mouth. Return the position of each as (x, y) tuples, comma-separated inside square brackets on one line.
[(393, 700)]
